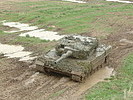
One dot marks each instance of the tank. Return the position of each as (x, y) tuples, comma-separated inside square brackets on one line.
[(75, 56)]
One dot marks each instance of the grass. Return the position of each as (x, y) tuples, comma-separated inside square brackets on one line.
[(25, 40), (119, 87), (3, 33), (71, 18), (28, 40)]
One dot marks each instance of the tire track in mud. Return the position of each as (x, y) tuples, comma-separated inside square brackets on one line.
[(22, 87), (49, 87)]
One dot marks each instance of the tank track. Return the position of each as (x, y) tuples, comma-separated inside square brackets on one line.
[(82, 79)]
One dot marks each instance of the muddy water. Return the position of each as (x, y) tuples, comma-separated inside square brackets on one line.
[(20, 26), (76, 1), (7, 49), (98, 76), (44, 35), (121, 1), (126, 41), (12, 51), (80, 1), (33, 31)]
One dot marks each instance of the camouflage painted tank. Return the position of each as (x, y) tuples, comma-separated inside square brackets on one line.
[(75, 56)]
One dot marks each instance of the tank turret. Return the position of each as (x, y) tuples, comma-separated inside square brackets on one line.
[(81, 47)]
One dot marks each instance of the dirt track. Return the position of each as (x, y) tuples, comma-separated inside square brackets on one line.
[(19, 82)]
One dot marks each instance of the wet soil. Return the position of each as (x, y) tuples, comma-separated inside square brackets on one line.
[(19, 82)]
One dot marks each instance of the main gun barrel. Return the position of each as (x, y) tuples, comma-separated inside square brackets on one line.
[(67, 54)]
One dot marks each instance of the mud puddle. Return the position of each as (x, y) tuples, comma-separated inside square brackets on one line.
[(75, 1), (98, 76), (20, 26), (33, 31), (126, 41), (78, 1), (42, 34), (121, 1), (12, 51)]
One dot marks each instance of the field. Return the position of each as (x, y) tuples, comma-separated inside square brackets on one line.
[(110, 22)]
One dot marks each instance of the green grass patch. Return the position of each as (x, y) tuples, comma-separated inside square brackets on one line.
[(3, 33), (120, 87), (70, 17), (28, 40)]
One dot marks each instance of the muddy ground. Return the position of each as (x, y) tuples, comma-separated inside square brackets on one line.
[(19, 82)]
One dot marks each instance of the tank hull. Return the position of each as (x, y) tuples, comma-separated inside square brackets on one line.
[(76, 69)]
